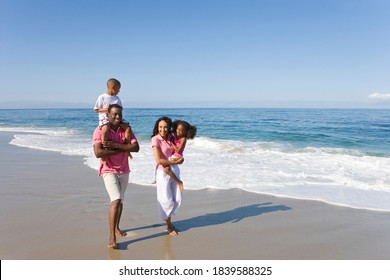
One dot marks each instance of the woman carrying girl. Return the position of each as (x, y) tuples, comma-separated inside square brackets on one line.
[(169, 196)]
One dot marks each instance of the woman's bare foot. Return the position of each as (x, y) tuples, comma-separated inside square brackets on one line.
[(173, 232), (170, 228)]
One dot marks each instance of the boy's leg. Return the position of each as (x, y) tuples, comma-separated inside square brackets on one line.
[(128, 132), (104, 136), (104, 132), (168, 171)]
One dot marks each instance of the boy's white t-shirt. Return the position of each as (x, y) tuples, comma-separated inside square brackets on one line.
[(102, 102)]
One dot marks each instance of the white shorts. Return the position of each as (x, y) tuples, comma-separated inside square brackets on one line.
[(116, 185), (103, 122)]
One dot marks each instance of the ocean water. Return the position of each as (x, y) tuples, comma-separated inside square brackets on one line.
[(339, 156)]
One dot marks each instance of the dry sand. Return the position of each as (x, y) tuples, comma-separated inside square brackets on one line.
[(54, 207)]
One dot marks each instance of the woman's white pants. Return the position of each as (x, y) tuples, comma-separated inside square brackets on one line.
[(169, 196)]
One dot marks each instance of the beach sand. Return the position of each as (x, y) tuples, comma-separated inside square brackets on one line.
[(53, 206)]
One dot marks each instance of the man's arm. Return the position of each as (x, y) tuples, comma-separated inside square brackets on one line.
[(127, 147), (102, 152), (110, 148)]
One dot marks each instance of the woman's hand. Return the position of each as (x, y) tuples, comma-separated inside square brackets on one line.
[(178, 160)]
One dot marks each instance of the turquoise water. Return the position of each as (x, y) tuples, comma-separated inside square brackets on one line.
[(333, 155), (364, 130)]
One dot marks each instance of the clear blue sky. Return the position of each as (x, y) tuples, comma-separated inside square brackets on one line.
[(196, 53)]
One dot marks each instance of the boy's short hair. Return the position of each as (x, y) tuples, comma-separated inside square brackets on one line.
[(113, 82)]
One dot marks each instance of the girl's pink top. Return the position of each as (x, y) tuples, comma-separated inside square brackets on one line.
[(177, 143)]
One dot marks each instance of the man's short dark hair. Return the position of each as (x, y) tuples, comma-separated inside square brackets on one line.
[(114, 106)]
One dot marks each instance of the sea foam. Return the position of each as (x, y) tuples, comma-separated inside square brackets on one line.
[(334, 175)]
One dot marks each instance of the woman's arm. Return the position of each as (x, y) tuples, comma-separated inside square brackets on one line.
[(161, 161)]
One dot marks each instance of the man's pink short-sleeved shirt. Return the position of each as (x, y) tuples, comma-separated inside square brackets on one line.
[(166, 149), (119, 163)]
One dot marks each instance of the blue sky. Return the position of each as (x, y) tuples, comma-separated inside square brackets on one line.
[(196, 53)]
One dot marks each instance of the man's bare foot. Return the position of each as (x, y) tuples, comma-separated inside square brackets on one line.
[(120, 233), (112, 244)]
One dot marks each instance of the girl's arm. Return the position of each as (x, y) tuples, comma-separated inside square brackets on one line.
[(164, 162)]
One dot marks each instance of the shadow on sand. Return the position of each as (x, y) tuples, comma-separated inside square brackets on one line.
[(233, 216), (210, 219)]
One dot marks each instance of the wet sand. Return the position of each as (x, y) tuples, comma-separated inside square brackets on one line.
[(54, 207)]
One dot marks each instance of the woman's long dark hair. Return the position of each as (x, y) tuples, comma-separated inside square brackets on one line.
[(167, 120)]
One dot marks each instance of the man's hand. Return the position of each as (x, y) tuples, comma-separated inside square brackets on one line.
[(110, 145)]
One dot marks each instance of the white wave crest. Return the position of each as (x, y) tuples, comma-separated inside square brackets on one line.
[(339, 176)]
